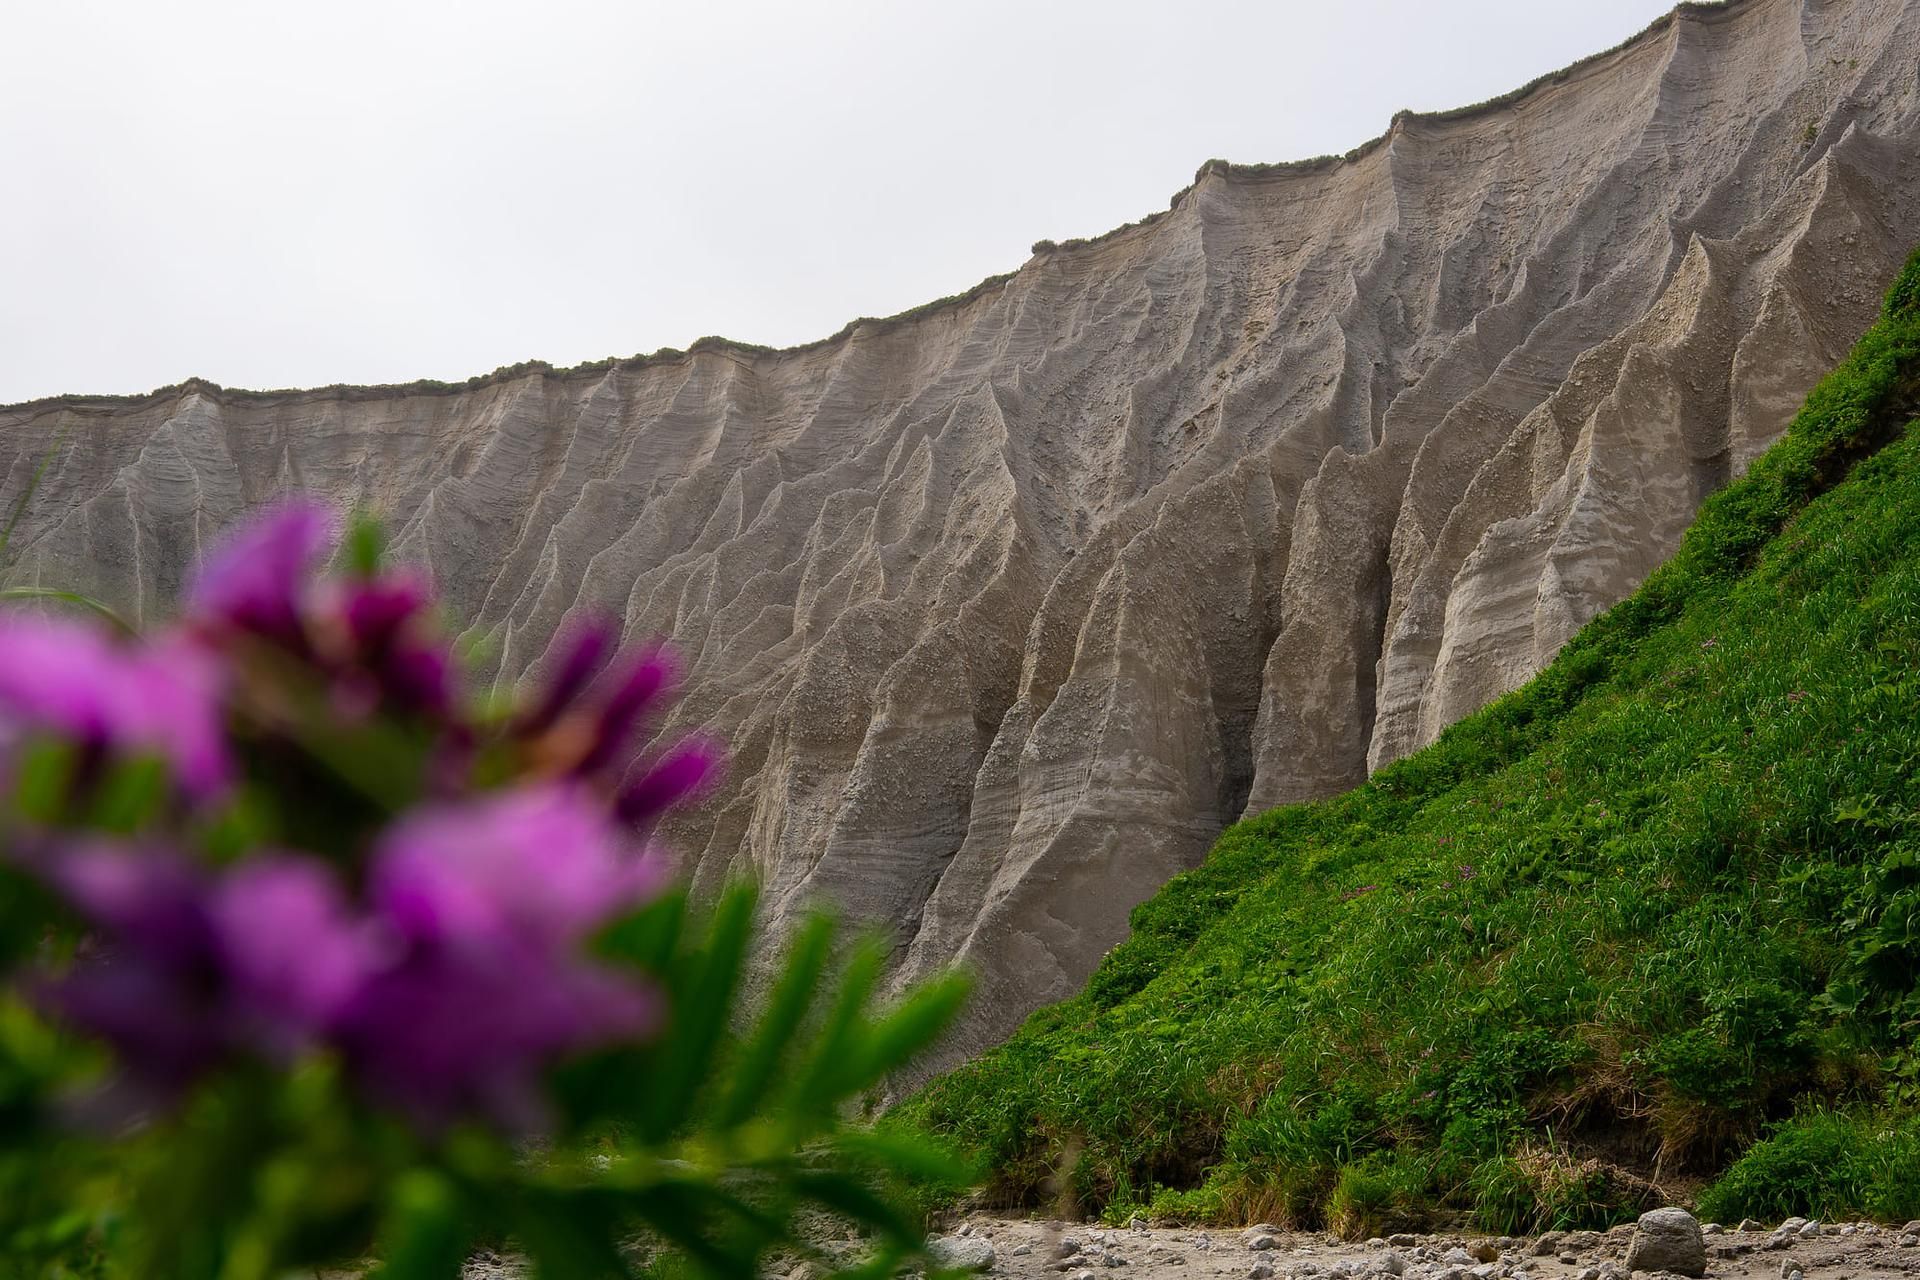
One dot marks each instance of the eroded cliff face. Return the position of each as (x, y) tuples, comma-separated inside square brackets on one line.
[(1007, 606)]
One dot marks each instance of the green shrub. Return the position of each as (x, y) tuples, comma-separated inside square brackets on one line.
[(1825, 1164)]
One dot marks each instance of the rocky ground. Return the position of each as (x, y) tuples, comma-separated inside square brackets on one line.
[(1040, 1250), (1667, 1243)]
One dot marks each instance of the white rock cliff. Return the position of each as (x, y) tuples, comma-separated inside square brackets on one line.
[(1008, 604)]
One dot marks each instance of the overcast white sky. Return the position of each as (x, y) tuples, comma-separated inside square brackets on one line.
[(269, 194)]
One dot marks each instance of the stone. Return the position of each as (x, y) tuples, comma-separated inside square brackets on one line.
[(1260, 1271), (1458, 1257), (1401, 1240), (1247, 500), (1261, 1242), (1668, 1240), (1591, 1273), (962, 1253), (1390, 1263), (1792, 1225), (1748, 1224), (1546, 1245), (1483, 1250), (1021, 1250), (1711, 1228), (1067, 1247)]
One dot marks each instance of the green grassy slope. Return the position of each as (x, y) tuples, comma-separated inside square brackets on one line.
[(1622, 925)]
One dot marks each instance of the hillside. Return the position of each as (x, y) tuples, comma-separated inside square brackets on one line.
[(1596, 940), (1008, 605)]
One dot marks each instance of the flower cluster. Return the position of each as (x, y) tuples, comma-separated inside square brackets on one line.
[(434, 944)]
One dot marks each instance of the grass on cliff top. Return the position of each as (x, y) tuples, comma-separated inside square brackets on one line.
[(1647, 928)]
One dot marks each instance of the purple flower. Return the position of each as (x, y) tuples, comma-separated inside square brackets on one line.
[(630, 692), (68, 679), (256, 579), (184, 969), (378, 630), (588, 643), (679, 774), (541, 866), (457, 1028), (291, 945), (494, 897)]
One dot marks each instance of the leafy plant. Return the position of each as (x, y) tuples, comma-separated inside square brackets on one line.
[(316, 962)]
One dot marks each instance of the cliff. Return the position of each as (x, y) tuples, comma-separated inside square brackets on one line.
[(1009, 604)]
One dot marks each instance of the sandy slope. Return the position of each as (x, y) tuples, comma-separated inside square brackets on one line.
[(1008, 605)]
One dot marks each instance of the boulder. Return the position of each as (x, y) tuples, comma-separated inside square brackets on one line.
[(1668, 1240)]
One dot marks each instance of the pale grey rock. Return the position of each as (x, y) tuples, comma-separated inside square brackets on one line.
[(1260, 1271), (1261, 1241), (966, 1253), (1668, 1240), (1007, 606)]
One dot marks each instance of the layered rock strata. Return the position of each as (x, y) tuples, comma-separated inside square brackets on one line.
[(1008, 604)]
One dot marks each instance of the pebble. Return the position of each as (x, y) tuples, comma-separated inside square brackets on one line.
[(1022, 1250), (1260, 1271), (1260, 1243)]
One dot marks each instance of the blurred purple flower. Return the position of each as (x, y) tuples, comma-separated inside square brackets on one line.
[(379, 630), (676, 776), (256, 579), (629, 694), (494, 897), (587, 642), (164, 698), (540, 866), (459, 1027), (291, 945)]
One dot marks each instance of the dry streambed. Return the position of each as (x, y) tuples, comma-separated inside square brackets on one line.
[(1040, 1250)]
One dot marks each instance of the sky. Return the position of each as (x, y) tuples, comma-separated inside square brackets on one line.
[(294, 193)]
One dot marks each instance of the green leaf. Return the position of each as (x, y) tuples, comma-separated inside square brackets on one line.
[(836, 1067), (702, 995), (131, 796), (425, 1237), (786, 1007), (100, 607), (919, 1020)]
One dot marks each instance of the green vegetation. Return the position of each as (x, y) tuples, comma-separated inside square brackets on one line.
[(1657, 909)]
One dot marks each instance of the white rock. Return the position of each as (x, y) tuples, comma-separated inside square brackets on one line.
[(1668, 1240), (964, 1253)]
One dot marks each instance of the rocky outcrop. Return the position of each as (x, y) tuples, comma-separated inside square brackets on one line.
[(1007, 605)]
